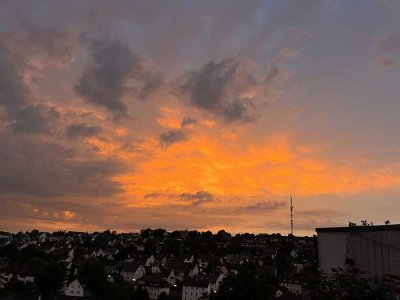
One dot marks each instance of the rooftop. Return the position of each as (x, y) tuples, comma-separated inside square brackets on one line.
[(359, 228)]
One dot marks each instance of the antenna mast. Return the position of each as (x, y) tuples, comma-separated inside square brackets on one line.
[(291, 215)]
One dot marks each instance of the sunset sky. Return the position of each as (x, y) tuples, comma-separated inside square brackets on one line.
[(201, 115)]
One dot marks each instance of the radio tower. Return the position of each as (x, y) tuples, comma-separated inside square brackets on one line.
[(291, 215)]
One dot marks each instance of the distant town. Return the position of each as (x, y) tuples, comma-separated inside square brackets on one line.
[(191, 265)]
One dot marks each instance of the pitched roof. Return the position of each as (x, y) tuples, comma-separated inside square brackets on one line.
[(127, 266)]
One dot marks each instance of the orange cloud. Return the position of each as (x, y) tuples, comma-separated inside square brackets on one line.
[(228, 168), (69, 214)]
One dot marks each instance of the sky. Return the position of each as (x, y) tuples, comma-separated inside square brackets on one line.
[(201, 115)]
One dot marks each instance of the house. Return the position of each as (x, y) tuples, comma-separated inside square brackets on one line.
[(189, 259), (155, 269), (75, 289), (194, 271), (130, 271), (168, 275), (203, 262), (155, 285), (164, 259), (149, 261), (71, 253), (110, 253), (184, 270), (27, 275), (195, 288), (98, 253), (5, 277), (42, 237), (214, 280)]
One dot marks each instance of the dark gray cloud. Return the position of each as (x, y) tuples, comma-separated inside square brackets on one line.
[(114, 71), (31, 119), (197, 198), (34, 166), (261, 207), (170, 137), (103, 82), (219, 88), (82, 130), (188, 121), (153, 195)]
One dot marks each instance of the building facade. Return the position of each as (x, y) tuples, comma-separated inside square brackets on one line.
[(372, 249)]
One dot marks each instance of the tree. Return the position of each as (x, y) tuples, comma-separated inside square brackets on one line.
[(207, 235), (354, 285), (93, 275), (246, 285), (17, 285), (50, 278), (159, 233), (172, 246), (145, 233), (34, 233), (140, 294), (163, 296)]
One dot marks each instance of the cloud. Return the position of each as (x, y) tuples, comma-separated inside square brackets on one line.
[(228, 89), (170, 137), (188, 122), (16, 98), (31, 119), (36, 167), (82, 130), (114, 71), (260, 207), (151, 82), (104, 80), (197, 198), (17, 50), (13, 92), (153, 195), (57, 45), (321, 212), (387, 51)]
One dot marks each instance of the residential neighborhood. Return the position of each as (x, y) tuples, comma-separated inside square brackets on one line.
[(187, 265), (154, 263)]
